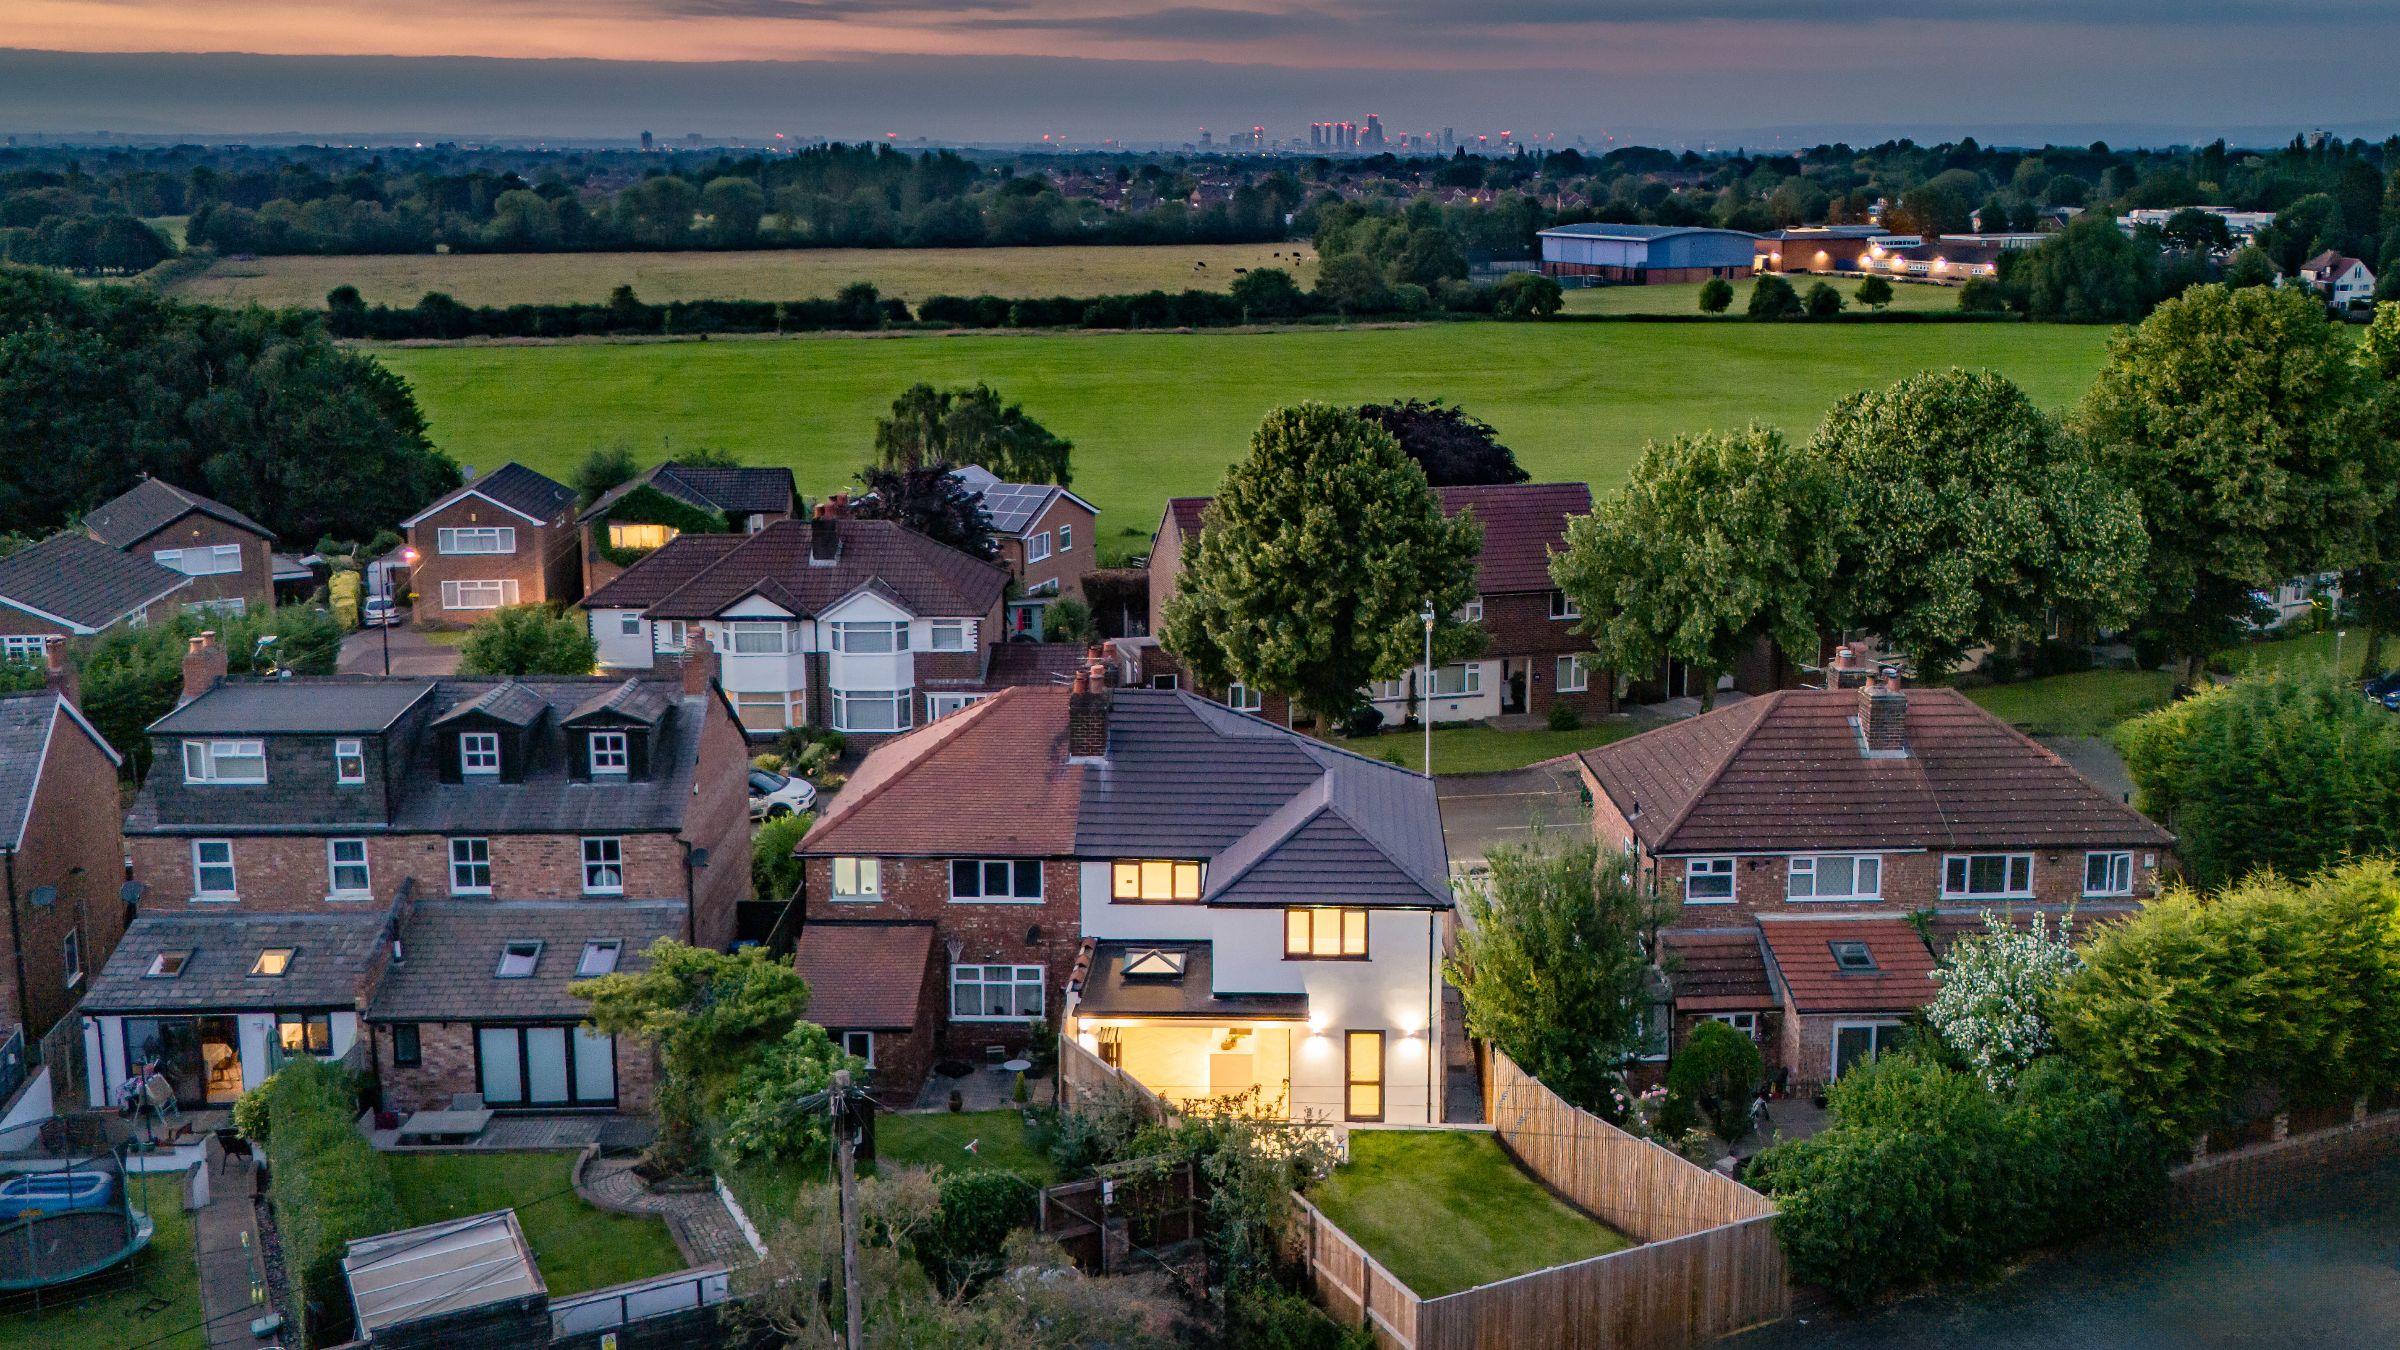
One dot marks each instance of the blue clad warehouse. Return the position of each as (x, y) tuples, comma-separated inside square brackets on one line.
[(1646, 253)]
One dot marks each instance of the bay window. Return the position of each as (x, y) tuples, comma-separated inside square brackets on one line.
[(871, 709), (877, 638)]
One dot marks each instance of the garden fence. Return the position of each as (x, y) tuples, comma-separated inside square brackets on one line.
[(1084, 1078)]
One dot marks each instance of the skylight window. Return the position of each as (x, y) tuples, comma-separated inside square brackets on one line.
[(599, 958), (1852, 957), (1155, 964), (167, 965), (518, 959), (272, 963)]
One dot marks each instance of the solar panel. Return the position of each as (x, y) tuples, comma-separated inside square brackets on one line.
[(1012, 506)]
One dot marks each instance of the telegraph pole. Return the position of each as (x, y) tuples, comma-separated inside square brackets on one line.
[(855, 1315)]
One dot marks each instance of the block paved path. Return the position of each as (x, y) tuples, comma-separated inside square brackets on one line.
[(704, 1231)]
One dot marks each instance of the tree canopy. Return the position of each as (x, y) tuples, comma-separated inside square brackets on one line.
[(529, 640), (970, 426), (1970, 516), (1322, 549), (1450, 445), (932, 500), (2090, 272), (1717, 541)]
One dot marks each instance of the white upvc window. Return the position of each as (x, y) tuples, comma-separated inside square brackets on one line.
[(1708, 881), (1743, 1022), (757, 637), (667, 635), (995, 993), (2108, 873), (1242, 698), (1066, 539), (604, 866), (1037, 547), (470, 867), (871, 709), (1991, 876), (947, 635), (857, 879), (349, 763), (872, 638), (996, 880), (235, 762), (1390, 691), (479, 754), (212, 870), (479, 594), (1562, 606), (629, 623), (611, 753), (860, 1045), (939, 706), (223, 604), (214, 560), (763, 711), (17, 647), (346, 869), (72, 955), (476, 539), (1836, 877), (1472, 611), (1573, 676), (1462, 678)]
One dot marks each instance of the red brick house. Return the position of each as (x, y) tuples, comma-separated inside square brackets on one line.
[(70, 585), (1049, 538), (617, 529), (229, 557), (859, 990), (507, 538), (1852, 806), (62, 855)]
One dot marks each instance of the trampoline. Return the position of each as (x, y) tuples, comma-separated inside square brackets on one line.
[(55, 1246)]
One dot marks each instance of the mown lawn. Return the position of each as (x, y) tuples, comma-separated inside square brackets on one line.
[(113, 1317), (914, 1139), (1155, 415), (2087, 703), (1446, 1210), (1683, 297), (764, 274), (576, 1246), (1479, 749)]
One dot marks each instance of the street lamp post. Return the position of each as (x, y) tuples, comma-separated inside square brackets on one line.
[(1425, 703), (391, 612)]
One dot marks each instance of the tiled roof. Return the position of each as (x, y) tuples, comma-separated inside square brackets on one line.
[(991, 778), (1802, 950), (302, 705), (331, 954), (1785, 771), (930, 578), (864, 976), (1040, 663), (1718, 969), (452, 956), (28, 722), (514, 486), (1950, 923), (1522, 524), (741, 491), (1109, 992), (508, 701), (638, 700), (151, 505), (83, 581), (1189, 513)]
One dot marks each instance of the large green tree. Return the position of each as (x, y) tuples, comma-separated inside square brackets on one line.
[(1322, 549), (529, 640), (2257, 442), (929, 426), (1970, 517), (1451, 445), (2373, 586), (2090, 272), (1719, 539)]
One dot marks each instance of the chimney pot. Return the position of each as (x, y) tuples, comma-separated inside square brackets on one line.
[(59, 673), (203, 665), (824, 539)]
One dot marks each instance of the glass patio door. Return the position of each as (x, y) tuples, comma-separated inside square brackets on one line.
[(545, 1067)]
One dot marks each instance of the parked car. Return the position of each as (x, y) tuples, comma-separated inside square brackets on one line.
[(772, 795), (2385, 689), (377, 612)]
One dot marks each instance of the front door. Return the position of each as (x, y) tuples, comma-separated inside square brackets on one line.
[(1512, 686)]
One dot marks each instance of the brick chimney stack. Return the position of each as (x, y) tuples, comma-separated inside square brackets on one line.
[(1849, 669), (59, 673), (1883, 716), (203, 665), (825, 531), (699, 662), (1087, 716)]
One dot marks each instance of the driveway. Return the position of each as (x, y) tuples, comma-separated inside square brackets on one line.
[(412, 653), (2095, 759), (1481, 810)]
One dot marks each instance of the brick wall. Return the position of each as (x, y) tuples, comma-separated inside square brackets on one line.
[(277, 873), (2227, 1184), (1062, 570), (254, 584), (15, 622), (446, 1067), (547, 565), (72, 841), (1911, 881), (1518, 629), (1166, 568), (719, 821)]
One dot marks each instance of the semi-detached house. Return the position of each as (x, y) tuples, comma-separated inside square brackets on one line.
[(411, 871), (1795, 834), (1206, 900)]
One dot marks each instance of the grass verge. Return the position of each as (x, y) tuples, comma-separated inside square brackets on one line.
[(576, 1246), (1479, 749), (1446, 1210), (913, 1139), (2087, 703)]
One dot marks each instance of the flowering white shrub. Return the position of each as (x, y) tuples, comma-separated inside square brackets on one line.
[(1992, 1008)]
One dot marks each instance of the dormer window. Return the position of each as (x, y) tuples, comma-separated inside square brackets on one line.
[(349, 763), (518, 959), (610, 754), (479, 754)]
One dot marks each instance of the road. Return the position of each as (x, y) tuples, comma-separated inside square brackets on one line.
[(1481, 810), (412, 653)]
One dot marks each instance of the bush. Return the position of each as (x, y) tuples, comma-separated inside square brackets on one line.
[(1526, 295), (762, 1115), (330, 1185), (1773, 298), (1823, 301), (1982, 295), (1717, 296), (1364, 720), (1069, 620), (978, 1212), (1263, 1317), (529, 640), (1563, 717), (774, 873), (1718, 1070), (1875, 293)]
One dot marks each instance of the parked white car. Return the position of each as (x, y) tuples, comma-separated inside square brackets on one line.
[(772, 795)]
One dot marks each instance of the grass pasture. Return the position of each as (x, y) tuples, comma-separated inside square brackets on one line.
[(1683, 297), (1155, 415), (763, 274)]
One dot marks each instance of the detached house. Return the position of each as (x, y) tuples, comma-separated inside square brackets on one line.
[(229, 557), (1796, 832), (507, 538), (72, 586), (1049, 538), (2345, 282), (862, 625), (411, 870), (640, 515), (62, 859), (1206, 900)]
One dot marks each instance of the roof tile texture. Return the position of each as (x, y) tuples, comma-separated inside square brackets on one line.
[(1803, 949), (864, 976)]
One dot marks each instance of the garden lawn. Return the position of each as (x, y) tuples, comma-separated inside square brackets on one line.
[(1155, 415), (1481, 749), (1446, 1210), (1683, 297), (2086, 703), (111, 1319), (940, 1138), (577, 1247)]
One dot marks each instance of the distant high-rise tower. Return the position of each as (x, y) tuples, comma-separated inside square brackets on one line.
[(1372, 138), (1449, 139), (1204, 137), (647, 143)]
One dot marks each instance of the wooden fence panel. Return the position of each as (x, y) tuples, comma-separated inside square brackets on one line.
[(1668, 1295), (1350, 1284)]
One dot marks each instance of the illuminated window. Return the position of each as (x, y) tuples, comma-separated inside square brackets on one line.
[(857, 879), (631, 534), (1324, 934), (1156, 879), (1363, 1075), (272, 963)]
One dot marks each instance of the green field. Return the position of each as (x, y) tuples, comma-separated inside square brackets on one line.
[(1159, 414), (1683, 297), (763, 274)]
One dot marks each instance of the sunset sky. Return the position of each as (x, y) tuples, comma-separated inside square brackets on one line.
[(1008, 68)]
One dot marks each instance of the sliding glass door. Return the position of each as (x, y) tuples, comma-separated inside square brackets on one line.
[(531, 1068)]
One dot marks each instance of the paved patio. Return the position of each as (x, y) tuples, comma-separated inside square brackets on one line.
[(534, 1134), (983, 1089), (703, 1229)]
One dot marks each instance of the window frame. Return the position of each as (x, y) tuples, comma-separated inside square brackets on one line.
[(1746, 1023), (1563, 607), (1011, 871), (869, 1057), (525, 952), (2114, 857), (455, 590), (1725, 866), (471, 748), (1313, 917), (1016, 984), (1965, 862), (18, 648), (1876, 1035), (1816, 862), (1066, 539), (1572, 675), (902, 703), (1472, 611), (612, 850), (259, 963), (629, 623), (619, 763), (588, 965), (1143, 870), (201, 890), (349, 750), (1242, 698), (1470, 680), (70, 954), (735, 630), (1842, 950), (1037, 547), (214, 553), (617, 529), (448, 541), (1351, 1082), (935, 629), (309, 1024), (410, 1054), (866, 879), (335, 865), (213, 751), (843, 633), (475, 842)]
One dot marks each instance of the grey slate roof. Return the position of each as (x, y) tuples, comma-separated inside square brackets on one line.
[(508, 701), (514, 486), (452, 951), (83, 581), (640, 700), (740, 491), (150, 506), (548, 801), (303, 705), (1107, 992), (331, 954), (27, 723)]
